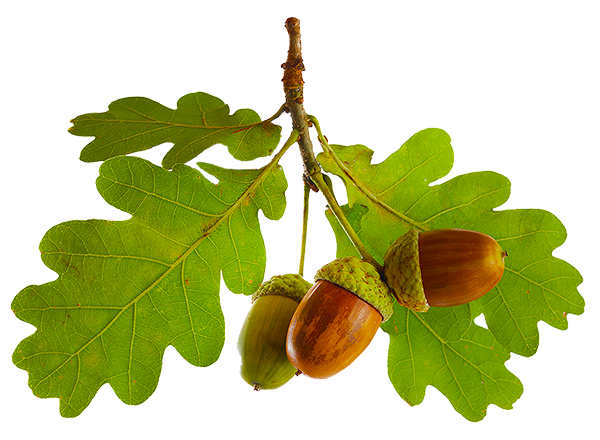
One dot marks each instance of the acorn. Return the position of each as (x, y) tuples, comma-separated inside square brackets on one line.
[(262, 339), (338, 317), (442, 267)]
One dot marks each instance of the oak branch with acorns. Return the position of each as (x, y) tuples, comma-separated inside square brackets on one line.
[(414, 259)]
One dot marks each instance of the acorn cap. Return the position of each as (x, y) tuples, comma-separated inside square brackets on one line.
[(290, 285), (402, 272), (362, 279)]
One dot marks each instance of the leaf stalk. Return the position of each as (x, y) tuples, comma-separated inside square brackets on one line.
[(375, 199)]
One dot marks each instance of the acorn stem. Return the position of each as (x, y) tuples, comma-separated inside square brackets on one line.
[(317, 178), (304, 228)]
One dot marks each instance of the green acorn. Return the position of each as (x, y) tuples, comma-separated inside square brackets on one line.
[(262, 340)]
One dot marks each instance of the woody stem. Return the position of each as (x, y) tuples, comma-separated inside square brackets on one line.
[(293, 85)]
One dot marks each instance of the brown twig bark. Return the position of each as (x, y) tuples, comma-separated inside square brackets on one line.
[(293, 85)]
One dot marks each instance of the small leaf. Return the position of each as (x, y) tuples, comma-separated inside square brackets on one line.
[(128, 289), (199, 122)]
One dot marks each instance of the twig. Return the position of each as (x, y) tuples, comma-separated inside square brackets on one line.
[(293, 85)]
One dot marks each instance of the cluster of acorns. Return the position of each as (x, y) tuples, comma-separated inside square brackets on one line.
[(294, 327)]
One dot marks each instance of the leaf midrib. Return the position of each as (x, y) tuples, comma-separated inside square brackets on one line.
[(214, 131), (167, 123)]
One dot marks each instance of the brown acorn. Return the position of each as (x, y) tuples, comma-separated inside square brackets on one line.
[(338, 317), (442, 267)]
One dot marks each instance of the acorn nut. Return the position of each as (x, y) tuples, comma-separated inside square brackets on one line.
[(262, 339), (442, 267), (338, 317)]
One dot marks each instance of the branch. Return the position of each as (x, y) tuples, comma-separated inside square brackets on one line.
[(293, 85)]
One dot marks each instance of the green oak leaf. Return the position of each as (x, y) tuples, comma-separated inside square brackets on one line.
[(389, 198), (128, 289), (199, 122), (397, 192)]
